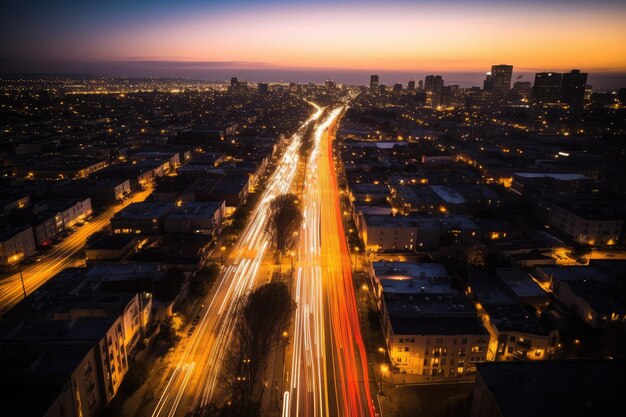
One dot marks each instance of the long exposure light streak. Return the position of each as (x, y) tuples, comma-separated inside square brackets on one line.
[(328, 366), (193, 381)]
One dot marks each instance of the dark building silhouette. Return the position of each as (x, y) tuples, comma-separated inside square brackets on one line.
[(573, 87), (411, 85), (498, 81), (433, 85), (397, 87), (263, 88), (373, 82), (522, 88), (547, 88)]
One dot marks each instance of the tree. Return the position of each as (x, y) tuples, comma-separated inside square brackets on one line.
[(202, 280), (262, 318), (167, 333), (284, 221)]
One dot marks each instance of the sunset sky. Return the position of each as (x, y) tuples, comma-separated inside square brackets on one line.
[(444, 36)]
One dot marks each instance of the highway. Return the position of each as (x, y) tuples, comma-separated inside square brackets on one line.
[(193, 382), (328, 374), (62, 256)]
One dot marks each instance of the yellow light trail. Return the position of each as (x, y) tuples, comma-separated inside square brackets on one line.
[(192, 386), (328, 367)]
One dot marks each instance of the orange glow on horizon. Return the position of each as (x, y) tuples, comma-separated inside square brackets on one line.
[(399, 37)]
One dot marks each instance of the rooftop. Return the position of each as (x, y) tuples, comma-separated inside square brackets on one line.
[(520, 282), (438, 326), (144, 210), (557, 388), (195, 210), (408, 270)]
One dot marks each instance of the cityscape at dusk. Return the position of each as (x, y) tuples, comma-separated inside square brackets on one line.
[(323, 208)]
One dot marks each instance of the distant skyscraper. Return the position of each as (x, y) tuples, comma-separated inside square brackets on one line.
[(234, 82), (500, 81), (374, 82), (330, 85), (433, 85), (522, 88), (411, 85), (263, 88), (397, 87), (588, 92), (488, 83), (573, 87), (547, 87), (420, 85)]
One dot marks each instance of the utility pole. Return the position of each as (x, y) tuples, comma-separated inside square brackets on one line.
[(19, 266)]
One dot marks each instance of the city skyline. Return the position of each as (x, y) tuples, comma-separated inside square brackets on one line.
[(246, 38)]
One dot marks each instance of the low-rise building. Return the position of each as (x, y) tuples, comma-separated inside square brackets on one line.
[(111, 248), (57, 216), (550, 388), (16, 243), (516, 334), (586, 223), (431, 331), (141, 218), (382, 233), (196, 218)]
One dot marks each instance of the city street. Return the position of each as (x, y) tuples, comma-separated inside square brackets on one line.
[(328, 374), (193, 382), (66, 254)]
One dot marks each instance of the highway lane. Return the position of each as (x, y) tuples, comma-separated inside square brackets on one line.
[(193, 382), (328, 374), (64, 255)]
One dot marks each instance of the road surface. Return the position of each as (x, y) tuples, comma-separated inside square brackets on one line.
[(328, 372), (64, 255), (193, 382)]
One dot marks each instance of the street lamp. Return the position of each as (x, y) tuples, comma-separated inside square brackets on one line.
[(364, 288), (19, 266), (222, 250), (384, 368), (356, 251), (282, 380)]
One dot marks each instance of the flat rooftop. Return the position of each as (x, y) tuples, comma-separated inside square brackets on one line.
[(446, 326), (520, 282), (377, 220), (408, 270), (195, 210), (448, 195), (552, 175), (144, 210), (444, 303), (557, 388)]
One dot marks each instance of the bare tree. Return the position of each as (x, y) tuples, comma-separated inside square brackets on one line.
[(285, 219), (262, 318)]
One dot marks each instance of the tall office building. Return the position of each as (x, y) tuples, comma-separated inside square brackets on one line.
[(411, 85), (547, 87), (498, 81), (264, 88), (523, 88), (433, 85), (374, 82), (488, 83), (573, 87), (397, 87), (330, 85), (420, 85)]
